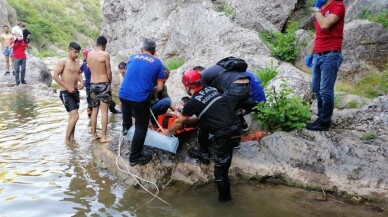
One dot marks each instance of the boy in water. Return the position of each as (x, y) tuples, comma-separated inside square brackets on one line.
[(67, 75), (100, 90)]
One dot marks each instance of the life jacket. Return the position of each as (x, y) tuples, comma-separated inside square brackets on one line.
[(166, 120)]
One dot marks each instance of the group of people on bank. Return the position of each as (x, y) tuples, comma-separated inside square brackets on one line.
[(14, 45), (218, 94)]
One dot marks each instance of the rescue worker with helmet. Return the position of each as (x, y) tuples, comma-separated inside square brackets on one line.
[(214, 116)]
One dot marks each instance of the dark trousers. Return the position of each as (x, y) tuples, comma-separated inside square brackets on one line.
[(236, 95), (224, 142), (88, 98), (112, 104), (141, 112), (19, 66)]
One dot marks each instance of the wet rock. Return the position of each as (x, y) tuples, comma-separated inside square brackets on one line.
[(337, 160), (37, 71)]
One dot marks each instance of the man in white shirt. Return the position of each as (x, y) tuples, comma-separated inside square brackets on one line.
[(18, 29)]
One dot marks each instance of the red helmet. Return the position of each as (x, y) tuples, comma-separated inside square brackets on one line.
[(191, 79), (85, 53)]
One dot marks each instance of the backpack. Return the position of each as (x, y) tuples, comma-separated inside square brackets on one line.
[(233, 64)]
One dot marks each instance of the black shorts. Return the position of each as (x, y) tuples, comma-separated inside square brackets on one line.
[(69, 100), (100, 92)]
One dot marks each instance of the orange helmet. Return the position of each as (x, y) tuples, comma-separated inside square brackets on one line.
[(191, 79), (85, 53)]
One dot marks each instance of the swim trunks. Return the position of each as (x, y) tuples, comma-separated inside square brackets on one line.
[(7, 52), (100, 92), (69, 100)]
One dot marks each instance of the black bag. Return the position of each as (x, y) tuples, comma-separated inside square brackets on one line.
[(233, 64)]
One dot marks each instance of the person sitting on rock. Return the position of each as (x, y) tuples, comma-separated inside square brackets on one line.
[(214, 116), (257, 96), (161, 101)]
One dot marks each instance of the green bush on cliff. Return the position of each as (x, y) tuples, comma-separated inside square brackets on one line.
[(175, 63), (282, 111), (371, 86), (59, 22), (380, 17), (283, 45), (266, 74)]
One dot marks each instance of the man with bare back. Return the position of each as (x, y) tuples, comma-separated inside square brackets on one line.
[(100, 90), (6, 39), (67, 75)]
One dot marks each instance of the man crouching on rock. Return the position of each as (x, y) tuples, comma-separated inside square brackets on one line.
[(67, 75), (216, 117)]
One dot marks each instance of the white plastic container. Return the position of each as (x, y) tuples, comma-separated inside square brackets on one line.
[(156, 140)]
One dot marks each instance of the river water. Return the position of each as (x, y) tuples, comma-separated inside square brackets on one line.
[(42, 176)]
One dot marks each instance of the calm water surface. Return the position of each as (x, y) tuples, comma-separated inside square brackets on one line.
[(41, 176)]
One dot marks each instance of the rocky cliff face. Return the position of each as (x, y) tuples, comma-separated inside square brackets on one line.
[(7, 14)]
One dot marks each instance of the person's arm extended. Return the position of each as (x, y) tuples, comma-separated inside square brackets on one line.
[(326, 22), (80, 80), (11, 45), (176, 125), (2, 42), (159, 86), (58, 71), (312, 49), (108, 68)]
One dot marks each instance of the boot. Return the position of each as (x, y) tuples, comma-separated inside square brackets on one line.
[(203, 157), (223, 191)]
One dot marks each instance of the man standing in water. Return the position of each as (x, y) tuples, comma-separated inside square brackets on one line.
[(100, 90), (214, 116), (6, 39), (67, 75), (326, 52)]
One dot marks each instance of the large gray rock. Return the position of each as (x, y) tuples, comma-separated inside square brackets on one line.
[(263, 15), (342, 159), (355, 8), (365, 48), (7, 14), (36, 72)]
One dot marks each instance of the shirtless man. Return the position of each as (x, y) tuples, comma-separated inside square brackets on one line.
[(100, 92), (6, 40), (67, 75)]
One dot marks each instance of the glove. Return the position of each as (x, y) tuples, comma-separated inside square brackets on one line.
[(309, 60), (318, 4)]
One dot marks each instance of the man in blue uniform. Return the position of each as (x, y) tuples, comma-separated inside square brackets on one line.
[(143, 73)]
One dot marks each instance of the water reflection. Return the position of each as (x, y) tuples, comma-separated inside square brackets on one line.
[(42, 176)]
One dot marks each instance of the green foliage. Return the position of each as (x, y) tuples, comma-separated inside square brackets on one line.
[(381, 17), (281, 111), (227, 9), (372, 86), (59, 22), (266, 74), (369, 136), (175, 63), (283, 45), (353, 104), (337, 101)]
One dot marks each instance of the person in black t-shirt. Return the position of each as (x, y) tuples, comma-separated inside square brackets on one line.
[(214, 116)]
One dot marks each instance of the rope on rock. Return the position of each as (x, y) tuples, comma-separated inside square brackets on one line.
[(135, 177)]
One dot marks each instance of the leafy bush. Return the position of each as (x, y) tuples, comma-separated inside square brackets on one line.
[(227, 9), (283, 45), (173, 64), (281, 111), (369, 136), (371, 86), (381, 17), (353, 104), (266, 74)]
